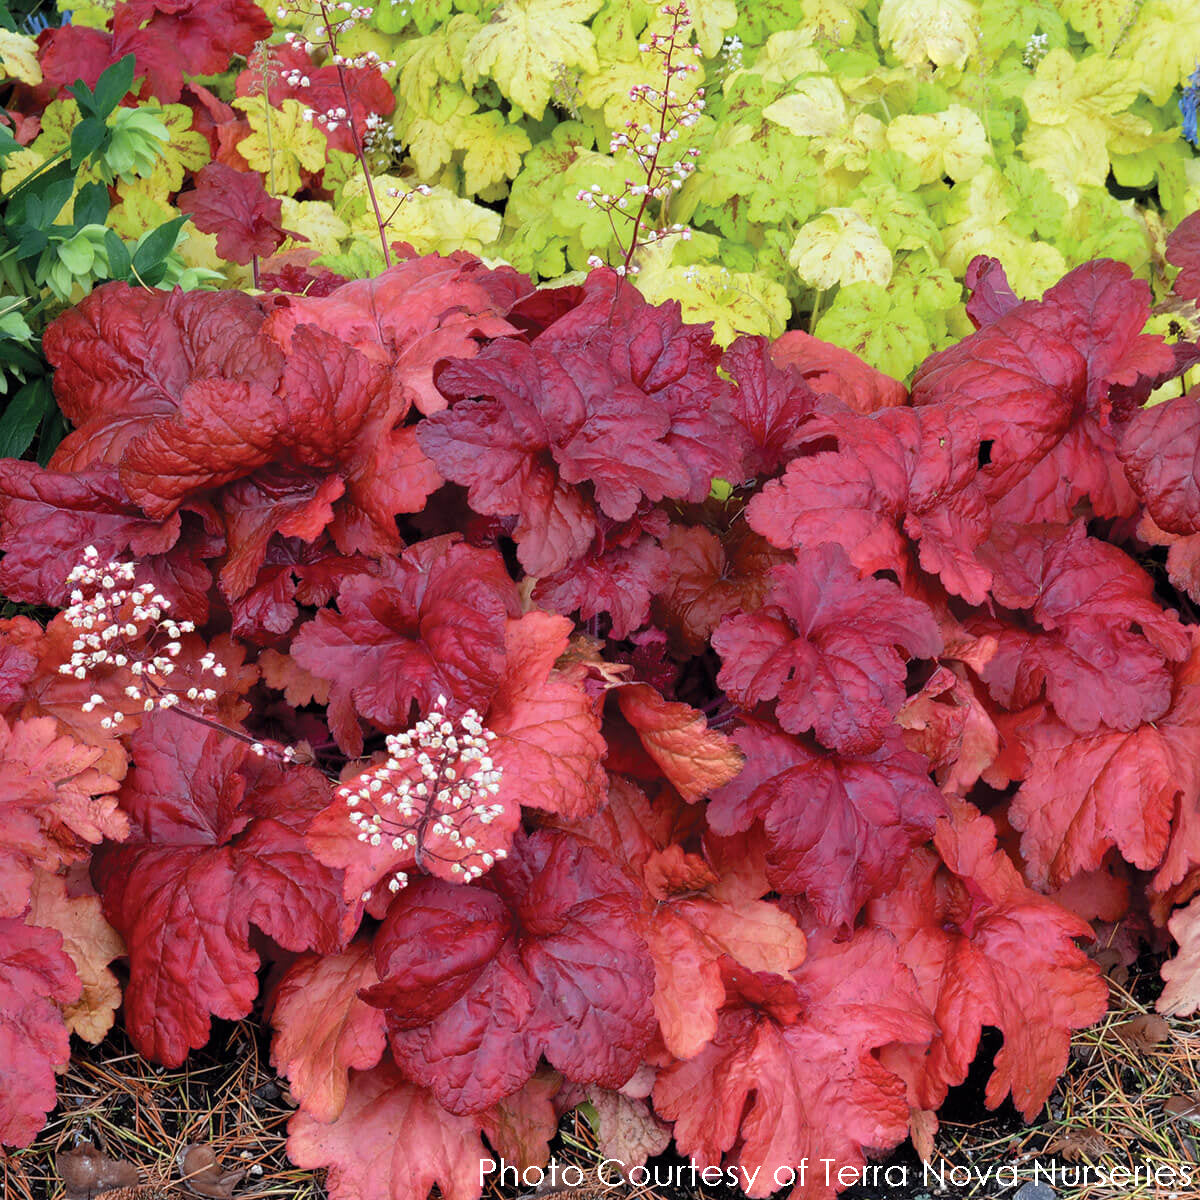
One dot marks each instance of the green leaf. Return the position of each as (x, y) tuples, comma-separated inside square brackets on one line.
[(91, 205), (119, 259), (112, 87), (22, 416), (153, 248), (86, 139)]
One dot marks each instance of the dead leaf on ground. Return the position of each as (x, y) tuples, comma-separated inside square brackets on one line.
[(1144, 1032), (86, 1172), (1183, 1108), (1080, 1145), (203, 1175)]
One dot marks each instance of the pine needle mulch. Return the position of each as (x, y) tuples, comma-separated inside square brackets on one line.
[(1130, 1099)]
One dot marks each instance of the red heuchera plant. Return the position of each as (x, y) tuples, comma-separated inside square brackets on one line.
[(423, 666)]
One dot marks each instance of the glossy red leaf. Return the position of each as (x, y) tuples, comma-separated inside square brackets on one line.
[(901, 474), (323, 1030), (54, 805), (392, 1141), (411, 316), (541, 956), (838, 827), (237, 208), (829, 370), (827, 647), (791, 1075), (431, 623), (1096, 640), (217, 845), (987, 950), (617, 394), (36, 977), (123, 357)]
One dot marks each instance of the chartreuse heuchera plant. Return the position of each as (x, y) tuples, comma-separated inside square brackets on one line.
[(523, 697), (847, 159)]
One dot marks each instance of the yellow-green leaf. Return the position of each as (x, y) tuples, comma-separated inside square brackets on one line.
[(1100, 21), (712, 19), (525, 43), (18, 57), (735, 302), (1162, 46), (953, 142), (281, 144), (840, 247), (493, 150), (316, 221), (917, 32), (814, 108)]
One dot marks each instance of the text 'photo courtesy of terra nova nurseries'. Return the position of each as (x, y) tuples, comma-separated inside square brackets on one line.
[(600, 599)]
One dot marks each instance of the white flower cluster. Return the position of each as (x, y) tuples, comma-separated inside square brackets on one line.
[(337, 17), (439, 810), (123, 625), (1036, 49)]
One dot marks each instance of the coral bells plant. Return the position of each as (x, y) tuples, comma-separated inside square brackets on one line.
[(530, 771)]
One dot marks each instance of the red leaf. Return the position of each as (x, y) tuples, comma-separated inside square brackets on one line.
[(825, 646), (218, 845), (1183, 250), (1183, 851), (433, 816), (36, 976), (548, 739), (412, 315), (1083, 795), (991, 293), (236, 207), (72, 52), (692, 927), (48, 517), (615, 579), (431, 623), (322, 1028), (323, 89), (1037, 381), (630, 403), (124, 357), (710, 578), (828, 369), (791, 1076), (53, 804), (903, 471), (947, 723), (695, 759), (1160, 450), (771, 403), (838, 828), (199, 37), (167, 37), (986, 950), (1097, 640), (392, 1141), (542, 956)]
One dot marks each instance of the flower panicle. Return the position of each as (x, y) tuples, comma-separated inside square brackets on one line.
[(433, 797), (125, 630), (124, 625), (645, 141)]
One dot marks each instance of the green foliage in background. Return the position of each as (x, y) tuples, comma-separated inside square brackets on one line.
[(855, 154)]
